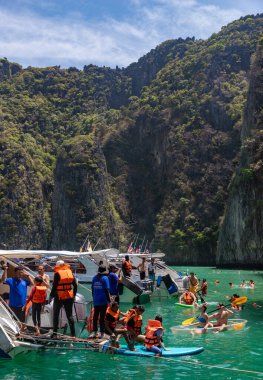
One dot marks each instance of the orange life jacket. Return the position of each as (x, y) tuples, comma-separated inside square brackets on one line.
[(64, 288), (40, 294), (127, 266), (134, 321), (151, 328), (188, 299), (115, 315)]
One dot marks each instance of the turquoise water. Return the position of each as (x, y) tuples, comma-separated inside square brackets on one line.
[(230, 355)]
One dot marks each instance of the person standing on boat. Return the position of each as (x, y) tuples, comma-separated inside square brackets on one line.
[(186, 281), (152, 270), (142, 269), (101, 298), (114, 282), (193, 283), (64, 290), (18, 290), (126, 267), (45, 277), (38, 297)]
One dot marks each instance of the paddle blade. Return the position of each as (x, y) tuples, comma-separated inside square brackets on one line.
[(239, 301), (189, 321)]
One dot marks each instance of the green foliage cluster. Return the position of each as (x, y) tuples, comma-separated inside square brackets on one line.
[(150, 148)]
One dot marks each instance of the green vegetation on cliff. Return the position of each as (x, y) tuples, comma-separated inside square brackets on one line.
[(149, 149)]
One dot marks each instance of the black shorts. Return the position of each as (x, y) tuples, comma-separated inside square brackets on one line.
[(19, 313)]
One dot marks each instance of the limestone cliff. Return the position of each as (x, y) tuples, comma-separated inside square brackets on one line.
[(81, 199), (241, 235)]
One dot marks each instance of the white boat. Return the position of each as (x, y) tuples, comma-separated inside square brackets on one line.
[(9, 330), (85, 265)]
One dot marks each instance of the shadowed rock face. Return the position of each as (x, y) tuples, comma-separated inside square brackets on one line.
[(81, 198), (240, 240)]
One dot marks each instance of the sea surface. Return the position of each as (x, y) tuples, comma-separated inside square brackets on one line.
[(227, 355)]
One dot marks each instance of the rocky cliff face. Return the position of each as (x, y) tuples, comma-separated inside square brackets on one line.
[(240, 239), (81, 201), (8, 69)]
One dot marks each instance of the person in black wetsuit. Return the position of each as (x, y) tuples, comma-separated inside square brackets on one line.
[(64, 290)]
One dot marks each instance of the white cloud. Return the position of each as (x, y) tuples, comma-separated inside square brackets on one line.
[(34, 40)]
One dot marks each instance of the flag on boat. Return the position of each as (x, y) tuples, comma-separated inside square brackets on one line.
[(130, 249)]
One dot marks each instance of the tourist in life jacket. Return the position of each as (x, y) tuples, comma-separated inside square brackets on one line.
[(64, 290), (111, 325), (153, 336), (188, 298), (133, 322), (38, 297), (126, 267)]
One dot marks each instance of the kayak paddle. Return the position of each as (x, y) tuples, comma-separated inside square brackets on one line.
[(236, 302)]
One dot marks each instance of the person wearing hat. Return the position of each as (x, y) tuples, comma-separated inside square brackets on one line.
[(114, 282), (101, 298), (64, 290), (38, 297)]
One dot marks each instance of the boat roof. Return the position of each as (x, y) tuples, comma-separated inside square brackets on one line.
[(25, 253)]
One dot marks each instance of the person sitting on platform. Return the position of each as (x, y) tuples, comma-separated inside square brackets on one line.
[(111, 325), (133, 321), (153, 336)]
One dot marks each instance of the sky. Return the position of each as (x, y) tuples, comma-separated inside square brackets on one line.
[(111, 33)]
